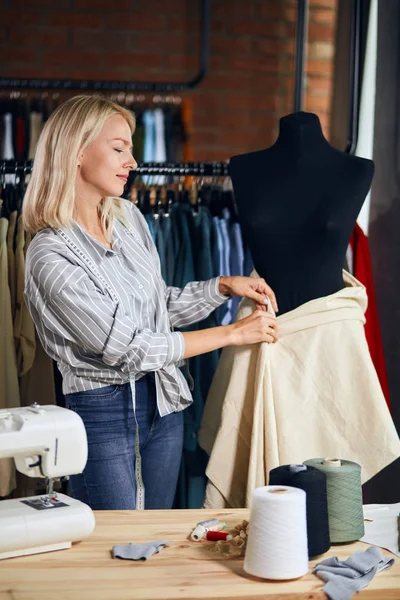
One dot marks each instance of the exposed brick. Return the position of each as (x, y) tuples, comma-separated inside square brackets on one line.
[(25, 17), (325, 123), (134, 59), (250, 81), (31, 72), (100, 5), (72, 57), (182, 23), (272, 83), (165, 43), (38, 37), (318, 32), (319, 85), (235, 10), (323, 3), (226, 82), (256, 140), (324, 50), (207, 138), (271, 29), (218, 64), (320, 67), (99, 74), (322, 15), (274, 47), (231, 45), (14, 54), (181, 61), (42, 4), (205, 153), (165, 7), (132, 22), (268, 65), (92, 40), (318, 103), (220, 119), (271, 10), (82, 20), (290, 15)]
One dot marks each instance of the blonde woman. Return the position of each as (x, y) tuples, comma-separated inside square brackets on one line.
[(103, 312)]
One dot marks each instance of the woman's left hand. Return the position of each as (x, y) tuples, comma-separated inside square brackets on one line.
[(249, 287)]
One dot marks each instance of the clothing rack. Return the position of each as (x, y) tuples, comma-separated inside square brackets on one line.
[(206, 169)]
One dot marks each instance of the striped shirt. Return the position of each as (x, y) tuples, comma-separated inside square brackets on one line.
[(105, 315)]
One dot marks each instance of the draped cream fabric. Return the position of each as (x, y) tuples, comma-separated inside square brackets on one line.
[(313, 394)]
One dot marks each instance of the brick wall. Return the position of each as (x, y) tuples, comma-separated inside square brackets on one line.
[(250, 81)]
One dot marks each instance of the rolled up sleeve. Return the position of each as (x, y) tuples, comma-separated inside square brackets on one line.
[(194, 302), (84, 317)]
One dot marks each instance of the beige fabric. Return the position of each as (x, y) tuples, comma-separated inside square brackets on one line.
[(36, 126), (36, 384), (313, 394), (9, 395), (11, 260), (24, 329)]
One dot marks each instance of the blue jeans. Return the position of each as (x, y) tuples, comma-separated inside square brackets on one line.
[(108, 480)]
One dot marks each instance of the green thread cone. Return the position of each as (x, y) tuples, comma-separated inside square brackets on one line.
[(343, 486)]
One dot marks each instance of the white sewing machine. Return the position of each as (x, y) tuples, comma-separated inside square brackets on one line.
[(49, 442)]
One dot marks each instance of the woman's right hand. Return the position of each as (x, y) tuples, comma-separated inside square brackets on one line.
[(258, 327)]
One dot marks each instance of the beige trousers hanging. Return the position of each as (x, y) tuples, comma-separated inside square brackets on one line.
[(313, 394), (9, 393)]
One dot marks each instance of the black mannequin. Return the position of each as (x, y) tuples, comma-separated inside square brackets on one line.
[(298, 202)]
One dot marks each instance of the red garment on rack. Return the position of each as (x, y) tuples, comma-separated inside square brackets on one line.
[(20, 137), (362, 270)]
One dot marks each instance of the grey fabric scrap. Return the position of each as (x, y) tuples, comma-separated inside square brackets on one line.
[(345, 578), (134, 551)]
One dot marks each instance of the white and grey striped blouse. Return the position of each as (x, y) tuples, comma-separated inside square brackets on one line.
[(105, 315)]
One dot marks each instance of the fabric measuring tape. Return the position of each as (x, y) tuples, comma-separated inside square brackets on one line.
[(140, 490)]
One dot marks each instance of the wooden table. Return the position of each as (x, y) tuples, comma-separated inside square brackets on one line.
[(186, 570)]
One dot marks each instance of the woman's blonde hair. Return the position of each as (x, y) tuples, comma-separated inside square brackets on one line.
[(50, 195)]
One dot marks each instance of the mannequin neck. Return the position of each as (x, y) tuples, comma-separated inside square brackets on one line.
[(300, 133)]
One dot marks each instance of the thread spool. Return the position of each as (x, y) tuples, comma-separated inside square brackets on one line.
[(277, 538), (215, 536), (313, 482), (201, 529), (343, 486)]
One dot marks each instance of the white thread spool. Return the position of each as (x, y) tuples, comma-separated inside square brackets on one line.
[(277, 539)]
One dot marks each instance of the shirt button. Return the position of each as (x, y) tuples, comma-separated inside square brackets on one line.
[(140, 286)]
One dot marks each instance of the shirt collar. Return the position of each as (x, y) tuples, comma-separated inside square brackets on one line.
[(93, 247)]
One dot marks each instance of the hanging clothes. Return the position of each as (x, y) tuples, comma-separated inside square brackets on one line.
[(9, 393), (7, 151), (160, 154), (160, 245), (150, 223), (362, 270), (24, 329), (12, 276), (149, 123), (236, 258), (36, 125), (219, 257), (264, 411), (224, 223)]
